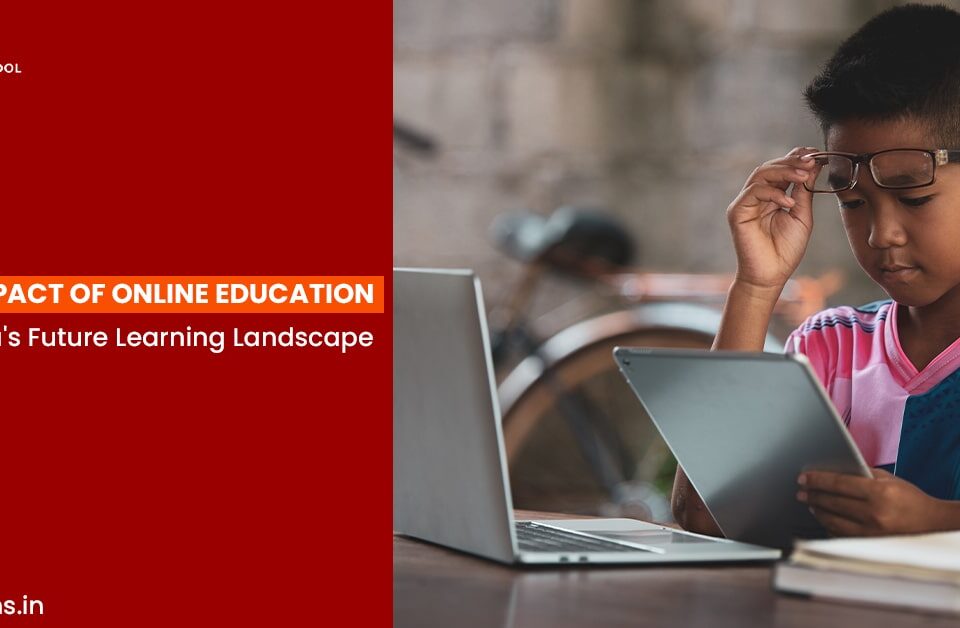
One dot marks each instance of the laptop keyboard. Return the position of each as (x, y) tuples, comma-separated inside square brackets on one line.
[(536, 538)]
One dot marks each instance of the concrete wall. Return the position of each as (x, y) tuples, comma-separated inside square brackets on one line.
[(656, 110)]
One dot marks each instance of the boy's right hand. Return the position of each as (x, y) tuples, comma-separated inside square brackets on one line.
[(770, 242)]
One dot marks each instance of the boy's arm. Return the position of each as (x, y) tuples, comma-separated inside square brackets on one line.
[(849, 505), (746, 317), (770, 243), (688, 509), (743, 327)]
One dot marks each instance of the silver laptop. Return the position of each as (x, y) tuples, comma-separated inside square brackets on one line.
[(450, 481)]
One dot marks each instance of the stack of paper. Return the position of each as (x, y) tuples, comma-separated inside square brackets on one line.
[(919, 571)]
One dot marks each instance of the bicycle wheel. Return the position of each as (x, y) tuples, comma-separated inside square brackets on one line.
[(548, 468)]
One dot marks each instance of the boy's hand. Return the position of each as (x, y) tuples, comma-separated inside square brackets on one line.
[(770, 242), (849, 505)]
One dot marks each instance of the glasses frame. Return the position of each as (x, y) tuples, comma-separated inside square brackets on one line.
[(939, 157)]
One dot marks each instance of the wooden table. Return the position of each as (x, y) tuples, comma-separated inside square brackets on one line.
[(434, 586)]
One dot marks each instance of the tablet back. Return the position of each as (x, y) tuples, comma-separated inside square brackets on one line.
[(743, 426)]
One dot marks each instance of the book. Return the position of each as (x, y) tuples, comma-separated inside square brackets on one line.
[(910, 571)]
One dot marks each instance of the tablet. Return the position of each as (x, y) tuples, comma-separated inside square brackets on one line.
[(743, 426)]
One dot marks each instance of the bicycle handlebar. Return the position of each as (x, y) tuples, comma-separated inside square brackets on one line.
[(801, 296)]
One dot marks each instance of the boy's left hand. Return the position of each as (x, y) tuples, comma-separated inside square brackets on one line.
[(849, 505)]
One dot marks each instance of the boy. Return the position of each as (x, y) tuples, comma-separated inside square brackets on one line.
[(889, 106)]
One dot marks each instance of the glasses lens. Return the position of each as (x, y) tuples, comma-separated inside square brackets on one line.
[(902, 168), (834, 173)]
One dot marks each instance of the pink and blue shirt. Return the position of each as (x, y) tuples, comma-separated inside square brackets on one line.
[(903, 420)]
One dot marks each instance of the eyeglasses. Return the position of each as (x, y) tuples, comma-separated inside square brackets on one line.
[(895, 169)]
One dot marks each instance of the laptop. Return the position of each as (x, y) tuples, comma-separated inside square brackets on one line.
[(450, 480), (743, 426)]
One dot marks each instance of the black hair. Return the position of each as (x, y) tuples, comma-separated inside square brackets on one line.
[(903, 63)]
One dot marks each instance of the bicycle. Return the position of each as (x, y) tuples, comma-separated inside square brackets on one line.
[(561, 393)]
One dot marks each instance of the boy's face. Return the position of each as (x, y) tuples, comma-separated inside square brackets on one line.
[(908, 241)]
